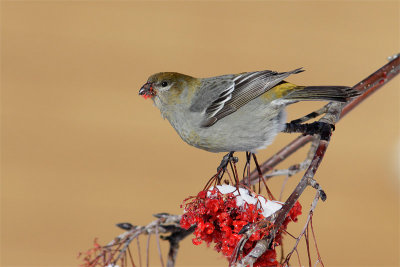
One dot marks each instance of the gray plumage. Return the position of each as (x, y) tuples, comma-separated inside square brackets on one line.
[(233, 92), (240, 112)]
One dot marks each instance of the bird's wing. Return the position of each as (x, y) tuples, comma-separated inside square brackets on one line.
[(212, 91), (228, 94)]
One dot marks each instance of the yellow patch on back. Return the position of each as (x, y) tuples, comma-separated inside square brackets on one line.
[(280, 91)]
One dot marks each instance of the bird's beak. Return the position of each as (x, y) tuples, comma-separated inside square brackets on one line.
[(147, 91)]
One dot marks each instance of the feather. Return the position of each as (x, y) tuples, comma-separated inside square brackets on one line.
[(246, 87), (332, 93)]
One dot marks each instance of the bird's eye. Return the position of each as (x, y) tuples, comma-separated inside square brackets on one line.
[(164, 84)]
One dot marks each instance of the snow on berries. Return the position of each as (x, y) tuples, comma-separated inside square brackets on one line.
[(222, 211)]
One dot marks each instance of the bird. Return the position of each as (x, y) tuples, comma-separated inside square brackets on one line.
[(234, 112)]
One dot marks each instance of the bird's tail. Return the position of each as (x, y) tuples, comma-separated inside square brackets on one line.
[(329, 93)]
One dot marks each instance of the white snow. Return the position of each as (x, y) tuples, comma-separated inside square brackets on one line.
[(268, 207)]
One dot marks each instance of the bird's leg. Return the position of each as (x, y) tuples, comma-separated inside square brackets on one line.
[(311, 115), (225, 160), (247, 168), (224, 163), (321, 128)]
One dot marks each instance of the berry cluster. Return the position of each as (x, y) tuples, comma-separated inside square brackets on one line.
[(221, 214)]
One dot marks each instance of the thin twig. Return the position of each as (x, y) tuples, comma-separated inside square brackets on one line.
[(159, 247), (148, 251), (283, 186), (298, 257), (306, 239), (130, 257), (280, 156), (315, 242), (140, 255), (313, 205), (125, 247)]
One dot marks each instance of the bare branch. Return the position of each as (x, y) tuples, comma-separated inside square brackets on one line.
[(367, 86), (282, 213), (313, 206), (334, 112), (118, 249)]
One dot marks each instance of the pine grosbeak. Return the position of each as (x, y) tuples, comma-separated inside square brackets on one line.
[(234, 112)]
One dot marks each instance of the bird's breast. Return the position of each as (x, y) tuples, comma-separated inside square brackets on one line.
[(248, 129)]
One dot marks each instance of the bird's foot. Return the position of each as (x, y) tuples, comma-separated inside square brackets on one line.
[(225, 161), (321, 128)]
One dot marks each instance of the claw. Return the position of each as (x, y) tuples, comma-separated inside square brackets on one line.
[(225, 160)]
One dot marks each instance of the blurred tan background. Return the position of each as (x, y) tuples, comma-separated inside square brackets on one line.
[(82, 151)]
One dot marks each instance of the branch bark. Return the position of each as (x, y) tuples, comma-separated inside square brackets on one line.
[(166, 223), (335, 111), (367, 86)]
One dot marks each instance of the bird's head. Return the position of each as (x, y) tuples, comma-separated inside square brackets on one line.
[(167, 85)]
